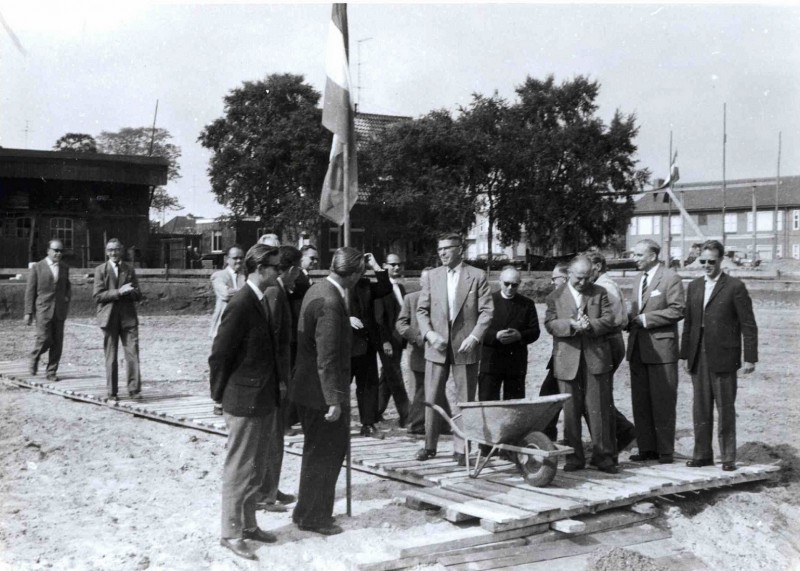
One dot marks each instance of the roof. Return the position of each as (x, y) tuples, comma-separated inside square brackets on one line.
[(707, 196), (180, 225), (369, 125), (97, 167)]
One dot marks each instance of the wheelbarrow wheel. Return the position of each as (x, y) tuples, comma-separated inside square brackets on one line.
[(537, 471)]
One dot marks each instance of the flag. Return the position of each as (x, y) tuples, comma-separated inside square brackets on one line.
[(337, 117)]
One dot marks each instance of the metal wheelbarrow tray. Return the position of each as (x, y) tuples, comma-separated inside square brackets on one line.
[(515, 428)]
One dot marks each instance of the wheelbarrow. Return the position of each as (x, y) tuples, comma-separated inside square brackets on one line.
[(512, 427)]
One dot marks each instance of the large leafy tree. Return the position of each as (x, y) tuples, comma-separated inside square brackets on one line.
[(416, 178), (270, 152), (574, 174), (148, 142), (76, 143)]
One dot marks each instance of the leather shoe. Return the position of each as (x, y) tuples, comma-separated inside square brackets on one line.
[(271, 507), (729, 466), (259, 534), (419, 431), (330, 529), (33, 368), (610, 469), (366, 430), (218, 409), (53, 378), (135, 396), (239, 547), (115, 398), (285, 498), (573, 467), (425, 454), (644, 456), (699, 463), (665, 459), (459, 458)]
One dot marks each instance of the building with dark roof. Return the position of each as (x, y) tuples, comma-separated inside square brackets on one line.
[(774, 230), (83, 199)]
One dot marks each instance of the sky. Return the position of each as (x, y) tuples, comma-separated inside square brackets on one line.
[(90, 67)]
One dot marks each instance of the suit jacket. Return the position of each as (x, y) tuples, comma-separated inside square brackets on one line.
[(517, 313), (362, 305), (224, 288), (569, 344), (726, 320), (387, 309), (324, 337), (408, 327), (108, 299), (662, 305), (243, 364), (46, 298), (301, 285), (280, 314), (473, 312)]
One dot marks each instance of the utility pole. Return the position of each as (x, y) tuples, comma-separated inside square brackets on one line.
[(358, 90), (669, 208), (724, 184), (777, 187)]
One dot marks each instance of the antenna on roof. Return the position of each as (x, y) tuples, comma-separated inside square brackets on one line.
[(153, 132)]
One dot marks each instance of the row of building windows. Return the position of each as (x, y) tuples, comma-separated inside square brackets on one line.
[(765, 222), (13, 226)]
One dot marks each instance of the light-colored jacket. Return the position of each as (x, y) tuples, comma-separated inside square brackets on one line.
[(46, 298), (224, 288)]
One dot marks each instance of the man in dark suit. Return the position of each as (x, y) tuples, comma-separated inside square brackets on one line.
[(579, 318), (321, 390), (390, 350), (366, 340), (271, 498), (116, 290), (245, 378), (47, 296), (515, 325), (656, 309), (454, 311), (719, 315)]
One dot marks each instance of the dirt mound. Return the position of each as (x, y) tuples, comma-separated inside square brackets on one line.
[(617, 558), (761, 453)]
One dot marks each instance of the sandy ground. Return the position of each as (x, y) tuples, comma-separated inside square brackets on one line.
[(84, 487)]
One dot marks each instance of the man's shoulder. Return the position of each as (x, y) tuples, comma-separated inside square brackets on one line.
[(101, 268), (473, 271), (219, 274), (668, 273)]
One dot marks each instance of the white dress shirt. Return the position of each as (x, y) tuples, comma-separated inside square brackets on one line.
[(53, 268), (452, 285), (398, 295)]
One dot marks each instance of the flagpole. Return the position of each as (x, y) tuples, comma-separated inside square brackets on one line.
[(724, 183), (669, 208), (777, 186), (346, 195)]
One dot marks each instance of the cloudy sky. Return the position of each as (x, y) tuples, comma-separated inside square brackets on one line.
[(89, 67)]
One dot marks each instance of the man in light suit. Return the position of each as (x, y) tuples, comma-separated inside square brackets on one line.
[(656, 309), (116, 290), (719, 315), (454, 311), (390, 350), (47, 296), (320, 388), (226, 283), (245, 379), (579, 317)]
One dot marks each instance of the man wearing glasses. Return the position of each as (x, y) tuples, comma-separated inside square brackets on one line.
[(226, 282), (719, 316), (515, 325), (47, 296), (116, 290), (454, 312)]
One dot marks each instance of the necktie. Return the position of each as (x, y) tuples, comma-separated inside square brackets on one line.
[(644, 289)]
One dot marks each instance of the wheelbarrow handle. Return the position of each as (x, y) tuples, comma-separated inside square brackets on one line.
[(450, 420)]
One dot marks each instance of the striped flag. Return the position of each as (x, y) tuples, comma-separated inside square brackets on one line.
[(337, 117)]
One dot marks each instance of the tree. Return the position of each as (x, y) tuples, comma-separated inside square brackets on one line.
[(270, 152), (574, 175), (76, 143), (145, 141), (417, 183)]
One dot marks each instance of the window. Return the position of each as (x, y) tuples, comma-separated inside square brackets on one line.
[(795, 219), (333, 238), (61, 229), (702, 219), (731, 223), (14, 226), (676, 224), (796, 251), (779, 251), (781, 216), (216, 241), (645, 225), (764, 220)]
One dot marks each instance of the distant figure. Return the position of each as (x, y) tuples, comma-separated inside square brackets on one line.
[(656, 309), (320, 388), (245, 380), (549, 386), (270, 240), (226, 283), (47, 296), (116, 290), (390, 350), (515, 325), (310, 260), (454, 311), (579, 318), (719, 316)]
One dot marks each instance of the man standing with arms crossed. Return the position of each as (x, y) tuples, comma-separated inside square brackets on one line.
[(454, 311), (47, 296), (719, 315), (658, 303)]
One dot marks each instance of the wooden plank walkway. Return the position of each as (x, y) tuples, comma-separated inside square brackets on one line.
[(499, 499)]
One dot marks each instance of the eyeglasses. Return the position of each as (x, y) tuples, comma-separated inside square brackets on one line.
[(443, 248), (393, 264), (511, 284), (709, 262), (237, 258), (57, 250)]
